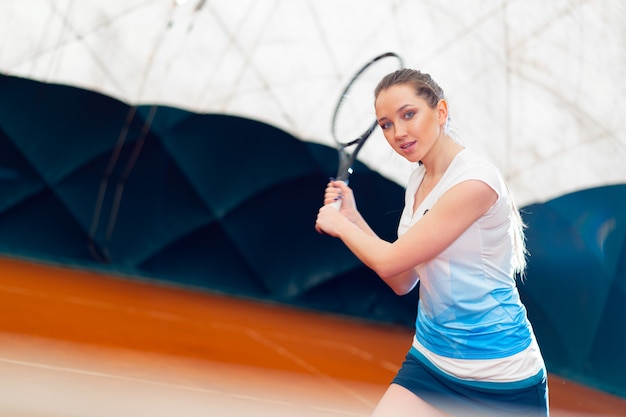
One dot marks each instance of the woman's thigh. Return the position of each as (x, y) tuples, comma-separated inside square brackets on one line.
[(400, 402)]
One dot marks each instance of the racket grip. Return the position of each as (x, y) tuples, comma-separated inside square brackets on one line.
[(336, 204)]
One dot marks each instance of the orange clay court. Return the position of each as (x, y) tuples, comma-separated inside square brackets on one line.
[(77, 343)]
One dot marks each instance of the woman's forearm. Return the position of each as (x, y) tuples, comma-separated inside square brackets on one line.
[(378, 255)]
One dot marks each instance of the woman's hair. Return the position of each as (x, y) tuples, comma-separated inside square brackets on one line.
[(427, 89), (519, 240)]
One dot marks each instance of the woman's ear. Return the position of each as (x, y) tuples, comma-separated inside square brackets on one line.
[(442, 111)]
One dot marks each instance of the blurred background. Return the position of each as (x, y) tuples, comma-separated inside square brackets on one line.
[(189, 142)]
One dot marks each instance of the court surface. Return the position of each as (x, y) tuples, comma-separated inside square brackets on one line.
[(77, 343)]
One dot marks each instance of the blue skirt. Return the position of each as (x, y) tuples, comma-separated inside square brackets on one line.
[(462, 399)]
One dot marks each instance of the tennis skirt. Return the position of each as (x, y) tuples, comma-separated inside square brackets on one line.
[(462, 399)]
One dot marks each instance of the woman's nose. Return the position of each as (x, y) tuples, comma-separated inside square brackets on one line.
[(400, 130)]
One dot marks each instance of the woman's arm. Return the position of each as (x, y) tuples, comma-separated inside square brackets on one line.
[(335, 190), (453, 213)]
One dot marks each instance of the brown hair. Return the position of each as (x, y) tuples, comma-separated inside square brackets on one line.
[(425, 87)]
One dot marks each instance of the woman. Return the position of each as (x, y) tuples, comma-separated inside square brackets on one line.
[(461, 236)]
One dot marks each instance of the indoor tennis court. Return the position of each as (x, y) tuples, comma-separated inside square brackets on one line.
[(162, 164), (78, 343)]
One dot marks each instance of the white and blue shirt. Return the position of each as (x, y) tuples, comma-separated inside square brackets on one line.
[(470, 322)]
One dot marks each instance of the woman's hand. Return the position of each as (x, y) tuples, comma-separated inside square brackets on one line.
[(339, 191), (328, 220), (336, 191)]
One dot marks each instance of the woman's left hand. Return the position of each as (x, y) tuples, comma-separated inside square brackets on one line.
[(328, 220)]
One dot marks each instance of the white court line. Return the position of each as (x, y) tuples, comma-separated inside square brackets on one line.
[(104, 375), (342, 346), (306, 366), (253, 334)]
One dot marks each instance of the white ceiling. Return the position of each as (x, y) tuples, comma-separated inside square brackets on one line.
[(536, 85)]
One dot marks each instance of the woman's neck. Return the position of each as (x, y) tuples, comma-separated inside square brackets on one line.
[(440, 156)]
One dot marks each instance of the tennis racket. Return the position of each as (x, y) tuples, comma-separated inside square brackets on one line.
[(354, 119)]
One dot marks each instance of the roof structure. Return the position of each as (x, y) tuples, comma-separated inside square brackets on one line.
[(536, 86)]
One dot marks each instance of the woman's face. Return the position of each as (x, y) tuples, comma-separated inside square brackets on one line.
[(410, 126)]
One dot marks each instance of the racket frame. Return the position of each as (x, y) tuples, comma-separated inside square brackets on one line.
[(346, 159)]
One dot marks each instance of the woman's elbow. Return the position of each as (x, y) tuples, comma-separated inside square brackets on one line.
[(402, 289), (400, 284)]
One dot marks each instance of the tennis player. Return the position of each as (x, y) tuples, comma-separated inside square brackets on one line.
[(461, 237)]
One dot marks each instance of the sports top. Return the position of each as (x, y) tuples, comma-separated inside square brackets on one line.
[(470, 316)]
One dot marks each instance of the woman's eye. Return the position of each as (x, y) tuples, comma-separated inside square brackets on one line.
[(409, 114), (385, 125)]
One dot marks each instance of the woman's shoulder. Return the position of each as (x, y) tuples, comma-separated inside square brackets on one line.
[(471, 165), (471, 158)]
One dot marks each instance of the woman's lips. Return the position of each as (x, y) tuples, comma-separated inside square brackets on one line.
[(408, 146)]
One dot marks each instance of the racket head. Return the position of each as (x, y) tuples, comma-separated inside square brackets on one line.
[(354, 119)]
